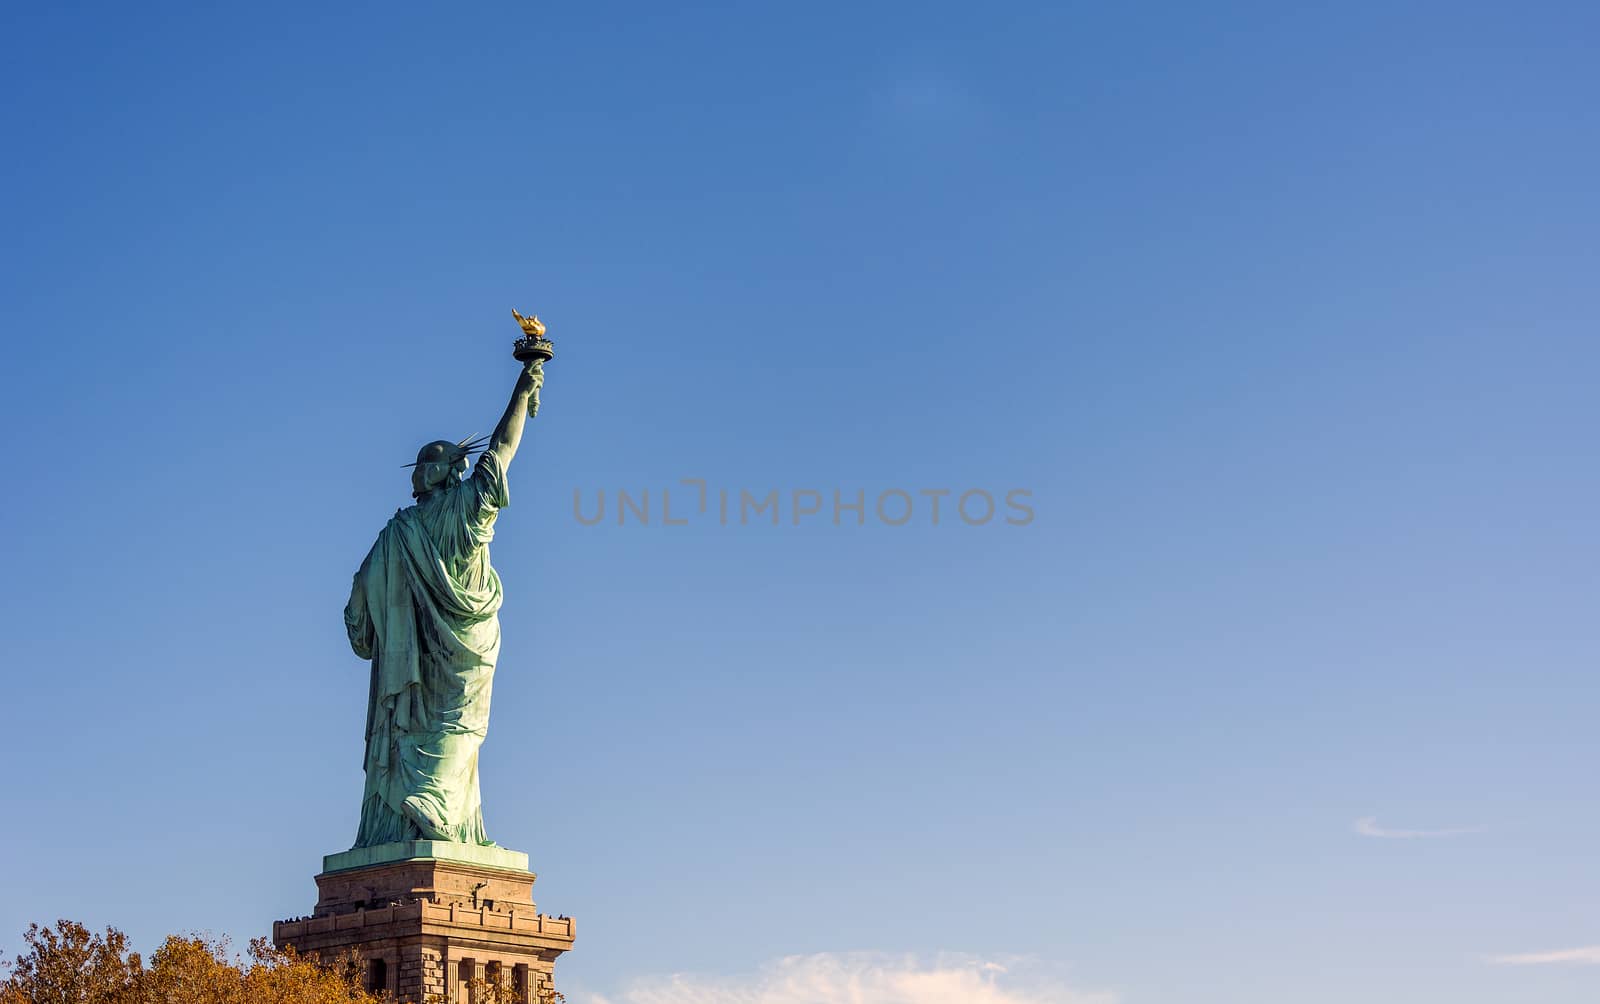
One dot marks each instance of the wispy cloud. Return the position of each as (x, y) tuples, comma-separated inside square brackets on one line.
[(1589, 956), (1368, 826), (856, 978)]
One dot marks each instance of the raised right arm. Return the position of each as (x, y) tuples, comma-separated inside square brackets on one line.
[(524, 405)]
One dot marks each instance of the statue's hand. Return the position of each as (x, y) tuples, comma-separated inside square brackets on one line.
[(536, 375)]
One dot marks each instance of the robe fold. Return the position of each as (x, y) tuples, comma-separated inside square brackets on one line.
[(423, 609)]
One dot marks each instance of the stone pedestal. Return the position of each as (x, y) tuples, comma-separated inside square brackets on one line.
[(428, 917)]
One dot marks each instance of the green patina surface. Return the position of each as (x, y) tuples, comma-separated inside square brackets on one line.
[(438, 850), (423, 609)]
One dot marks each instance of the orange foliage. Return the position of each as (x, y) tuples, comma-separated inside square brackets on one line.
[(67, 964)]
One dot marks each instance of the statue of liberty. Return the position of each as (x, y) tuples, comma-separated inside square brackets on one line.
[(423, 609)]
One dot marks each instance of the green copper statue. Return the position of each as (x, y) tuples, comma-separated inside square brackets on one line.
[(423, 609)]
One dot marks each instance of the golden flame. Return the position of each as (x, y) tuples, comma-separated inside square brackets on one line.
[(531, 326)]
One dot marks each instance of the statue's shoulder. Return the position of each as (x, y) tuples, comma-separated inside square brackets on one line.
[(397, 522)]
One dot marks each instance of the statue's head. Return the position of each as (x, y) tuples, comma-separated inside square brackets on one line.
[(442, 462), (439, 463)]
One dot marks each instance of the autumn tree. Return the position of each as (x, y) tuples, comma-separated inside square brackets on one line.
[(67, 964)]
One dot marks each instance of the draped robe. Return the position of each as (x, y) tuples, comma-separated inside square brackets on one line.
[(423, 610)]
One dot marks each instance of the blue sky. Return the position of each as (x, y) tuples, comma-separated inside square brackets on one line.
[(1284, 316)]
